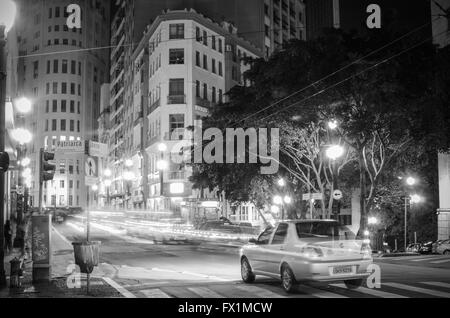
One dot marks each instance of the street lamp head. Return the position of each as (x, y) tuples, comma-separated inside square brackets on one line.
[(107, 173), (281, 182), (22, 136), (95, 188), (23, 105), (162, 165), (334, 152), (25, 162), (162, 147), (277, 199), (333, 124), (287, 199), (7, 14), (415, 198), (274, 209), (372, 220), (410, 181), (107, 183)]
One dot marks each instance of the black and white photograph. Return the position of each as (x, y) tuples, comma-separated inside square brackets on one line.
[(226, 155)]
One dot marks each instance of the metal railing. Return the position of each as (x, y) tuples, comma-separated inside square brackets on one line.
[(176, 99)]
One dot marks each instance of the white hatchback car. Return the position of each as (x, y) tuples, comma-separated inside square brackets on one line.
[(307, 250)]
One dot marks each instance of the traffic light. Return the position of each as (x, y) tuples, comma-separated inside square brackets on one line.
[(47, 170), (4, 161)]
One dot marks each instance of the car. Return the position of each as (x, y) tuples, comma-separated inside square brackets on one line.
[(444, 247), (307, 250), (413, 248), (426, 248), (435, 245)]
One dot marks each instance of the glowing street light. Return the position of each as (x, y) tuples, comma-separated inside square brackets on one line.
[(335, 152), (25, 162), (372, 220), (415, 198), (23, 105), (95, 188), (162, 147), (128, 176), (162, 165), (287, 199), (333, 124), (107, 173), (22, 136), (278, 200), (107, 183), (128, 163), (275, 209), (411, 181), (281, 182), (7, 14)]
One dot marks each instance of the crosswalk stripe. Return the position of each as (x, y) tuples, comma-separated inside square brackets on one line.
[(259, 292), (154, 293), (205, 292), (119, 288), (441, 261), (419, 290), (372, 292), (438, 284), (319, 293)]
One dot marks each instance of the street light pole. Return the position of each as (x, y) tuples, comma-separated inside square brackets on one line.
[(406, 216), (2, 149)]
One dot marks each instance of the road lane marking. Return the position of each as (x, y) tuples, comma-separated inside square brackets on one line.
[(440, 262), (258, 292), (154, 293), (372, 292), (125, 293), (421, 259), (419, 290), (320, 293), (205, 292), (438, 284)]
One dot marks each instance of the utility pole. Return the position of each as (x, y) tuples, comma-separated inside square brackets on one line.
[(2, 149)]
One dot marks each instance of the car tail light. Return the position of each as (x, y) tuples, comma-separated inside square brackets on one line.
[(366, 251), (312, 252)]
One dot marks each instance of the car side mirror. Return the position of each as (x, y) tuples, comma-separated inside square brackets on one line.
[(253, 241)]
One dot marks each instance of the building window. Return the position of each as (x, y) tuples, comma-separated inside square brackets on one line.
[(63, 88), (72, 88), (176, 122), (47, 106), (72, 125), (213, 96), (62, 169), (55, 88), (205, 91), (220, 96), (176, 56), (220, 69), (55, 106), (176, 91), (64, 66), (205, 62), (57, 12), (63, 125), (46, 125), (197, 59), (35, 69), (56, 41), (176, 31), (205, 38), (48, 67), (54, 125), (53, 199), (197, 88), (71, 172), (198, 37), (213, 42), (78, 126), (61, 184), (50, 11), (213, 66), (70, 200), (72, 107), (63, 106), (61, 200), (56, 28), (47, 88), (55, 66), (220, 46)]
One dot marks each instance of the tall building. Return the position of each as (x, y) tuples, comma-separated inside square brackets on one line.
[(60, 70), (440, 22), (183, 65)]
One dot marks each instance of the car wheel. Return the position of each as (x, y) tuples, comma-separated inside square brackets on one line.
[(447, 252), (353, 283), (288, 279), (246, 271)]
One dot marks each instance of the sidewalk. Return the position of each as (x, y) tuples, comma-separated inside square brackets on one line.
[(62, 277)]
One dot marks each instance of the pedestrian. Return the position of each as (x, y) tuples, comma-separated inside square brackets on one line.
[(8, 236)]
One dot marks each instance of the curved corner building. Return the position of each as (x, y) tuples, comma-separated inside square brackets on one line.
[(61, 71)]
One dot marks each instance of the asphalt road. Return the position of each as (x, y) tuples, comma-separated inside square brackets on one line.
[(144, 269)]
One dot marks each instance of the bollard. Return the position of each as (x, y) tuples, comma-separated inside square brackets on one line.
[(14, 280)]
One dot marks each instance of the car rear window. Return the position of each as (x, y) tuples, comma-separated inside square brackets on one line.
[(323, 230)]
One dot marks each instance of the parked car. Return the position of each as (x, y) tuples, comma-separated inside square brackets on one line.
[(413, 248), (426, 248), (435, 245), (444, 247), (307, 250)]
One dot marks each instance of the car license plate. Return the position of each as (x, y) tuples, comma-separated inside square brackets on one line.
[(342, 270)]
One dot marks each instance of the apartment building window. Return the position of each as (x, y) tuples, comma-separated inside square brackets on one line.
[(79, 90), (54, 125), (205, 38), (176, 56), (71, 172), (213, 96), (220, 46), (48, 67), (63, 88), (35, 69), (65, 41), (197, 59), (70, 200), (198, 36), (220, 69), (176, 122), (220, 96), (64, 66), (61, 184), (197, 88), (55, 106), (213, 66), (56, 41), (78, 125), (79, 68), (63, 125), (234, 74), (50, 11), (61, 200), (78, 184), (72, 107), (72, 125), (53, 200), (176, 90), (205, 62), (73, 67), (72, 88), (62, 169), (56, 28), (57, 12), (176, 31), (205, 91), (47, 88), (49, 29), (46, 125), (55, 66), (47, 106), (55, 88), (63, 106), (213, 42)]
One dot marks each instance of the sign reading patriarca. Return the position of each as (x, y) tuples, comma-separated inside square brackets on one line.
[(70, 146)]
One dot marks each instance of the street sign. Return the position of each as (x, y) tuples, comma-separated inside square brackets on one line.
[(90, 167), (312, 196), (337, 194), (97, 149), (70, 146)]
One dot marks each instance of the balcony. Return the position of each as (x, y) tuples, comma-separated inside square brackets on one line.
[(204, 102), (176, 134), (153, 107), (176, 99)]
